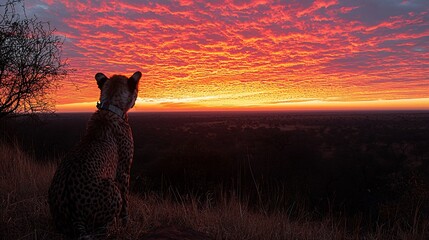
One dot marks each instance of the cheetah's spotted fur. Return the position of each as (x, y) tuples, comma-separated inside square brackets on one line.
[(89, 190)]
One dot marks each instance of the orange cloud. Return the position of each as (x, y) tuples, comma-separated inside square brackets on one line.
[(251, 54)]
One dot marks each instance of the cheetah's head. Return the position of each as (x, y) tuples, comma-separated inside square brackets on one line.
[(118, 90)]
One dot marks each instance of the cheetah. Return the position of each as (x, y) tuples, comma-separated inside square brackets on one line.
[(89, 190)]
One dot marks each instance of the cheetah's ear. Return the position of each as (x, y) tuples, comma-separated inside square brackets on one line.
[(133, 81), (101, 79)]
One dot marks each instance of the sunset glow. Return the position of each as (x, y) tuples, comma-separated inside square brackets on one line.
[(247, 55)]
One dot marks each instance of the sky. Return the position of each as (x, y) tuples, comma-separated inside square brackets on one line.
[(246, 55)]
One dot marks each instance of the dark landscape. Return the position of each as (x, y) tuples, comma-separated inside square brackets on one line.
[(368, 172)]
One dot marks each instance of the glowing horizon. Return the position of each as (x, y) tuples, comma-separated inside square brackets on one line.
[(247, 55)]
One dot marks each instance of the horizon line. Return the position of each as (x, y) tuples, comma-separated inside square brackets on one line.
[(259, 111)]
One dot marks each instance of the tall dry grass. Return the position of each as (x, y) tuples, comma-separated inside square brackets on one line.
[(24, 213)]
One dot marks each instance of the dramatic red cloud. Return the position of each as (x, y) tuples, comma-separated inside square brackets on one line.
[(249, 55)]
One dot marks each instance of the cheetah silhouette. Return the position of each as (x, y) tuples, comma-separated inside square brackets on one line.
[(89, 190)]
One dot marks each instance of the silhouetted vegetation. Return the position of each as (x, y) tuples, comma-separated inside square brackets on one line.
[(30, 61)]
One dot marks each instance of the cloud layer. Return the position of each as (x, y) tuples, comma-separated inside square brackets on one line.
[(246, 53)]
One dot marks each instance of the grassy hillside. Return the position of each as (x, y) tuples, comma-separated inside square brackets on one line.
[(24, 213)]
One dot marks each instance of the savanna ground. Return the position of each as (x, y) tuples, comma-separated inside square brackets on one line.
[(334, 177)]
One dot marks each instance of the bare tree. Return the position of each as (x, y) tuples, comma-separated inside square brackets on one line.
[(30, 62)]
